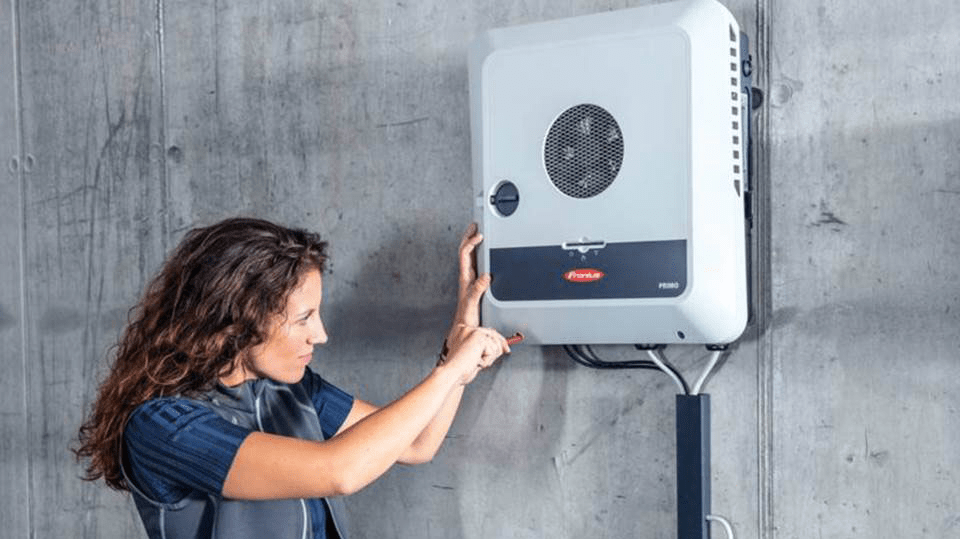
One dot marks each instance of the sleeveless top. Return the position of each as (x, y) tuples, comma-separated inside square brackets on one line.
[(256, 405)]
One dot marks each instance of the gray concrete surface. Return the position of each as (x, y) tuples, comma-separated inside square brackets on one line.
[(836, 416), (14, 462), (864, 139)]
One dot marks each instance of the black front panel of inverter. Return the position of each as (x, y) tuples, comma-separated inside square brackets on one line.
[(646, 269)]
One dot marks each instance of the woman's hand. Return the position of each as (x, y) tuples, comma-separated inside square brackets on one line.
[(476, 348), (471, 288), (468, 346)]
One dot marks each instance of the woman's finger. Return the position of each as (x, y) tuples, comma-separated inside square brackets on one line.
[(471, 230), (503, 342), (496, 346), (471, 302), (468, 270)]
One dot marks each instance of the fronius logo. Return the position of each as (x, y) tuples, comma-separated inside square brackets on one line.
[(585, 275)]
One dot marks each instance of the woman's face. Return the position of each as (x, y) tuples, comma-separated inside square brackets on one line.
[(284, 356)]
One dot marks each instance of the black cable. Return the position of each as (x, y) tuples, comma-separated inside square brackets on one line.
[(578, 358), (588, 352), (588, 358), (576, 355)]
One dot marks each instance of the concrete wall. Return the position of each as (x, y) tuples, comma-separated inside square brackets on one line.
[(835, 417), (864, 135), (14, 462)]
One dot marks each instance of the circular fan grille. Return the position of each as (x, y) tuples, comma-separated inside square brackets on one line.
[(583, 151)]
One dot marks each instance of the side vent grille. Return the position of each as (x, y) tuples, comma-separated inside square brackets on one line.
[(736, 108)]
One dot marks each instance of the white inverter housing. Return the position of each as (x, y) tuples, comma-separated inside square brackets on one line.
[(609, 173)]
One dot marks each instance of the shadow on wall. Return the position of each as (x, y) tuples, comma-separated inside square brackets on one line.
[(392, 299), (863, 250), (510, 423)]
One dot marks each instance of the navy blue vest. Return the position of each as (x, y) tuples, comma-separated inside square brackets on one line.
[(262, 405)]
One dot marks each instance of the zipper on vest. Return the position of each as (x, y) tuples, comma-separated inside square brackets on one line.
[(303, 504)]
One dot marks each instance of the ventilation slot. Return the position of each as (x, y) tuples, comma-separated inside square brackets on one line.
[(735, 112)]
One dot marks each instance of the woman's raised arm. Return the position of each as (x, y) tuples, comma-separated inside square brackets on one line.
[(269, 466)]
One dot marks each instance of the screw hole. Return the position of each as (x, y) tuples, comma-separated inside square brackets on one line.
[(681, 335), (175, 154)]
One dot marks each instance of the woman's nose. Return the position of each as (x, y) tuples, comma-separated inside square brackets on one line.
[(318, 334)]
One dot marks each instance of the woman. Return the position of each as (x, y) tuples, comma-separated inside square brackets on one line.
[(212, 418)]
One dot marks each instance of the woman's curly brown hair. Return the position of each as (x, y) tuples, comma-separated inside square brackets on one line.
[(213, 300)]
